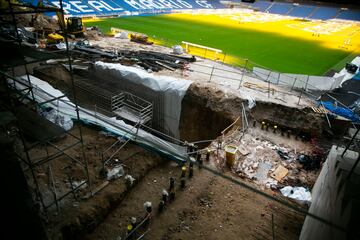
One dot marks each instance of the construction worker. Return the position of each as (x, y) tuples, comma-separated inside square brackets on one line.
[(165, 195), (199, 160), (207, 155), (183, 171), (148, 209), (191, 169), (172, 183), (161, 206)]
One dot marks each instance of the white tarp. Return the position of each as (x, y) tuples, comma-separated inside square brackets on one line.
[(344, 75), (298, 193), (61, 120), (44, 92), (173, 89)]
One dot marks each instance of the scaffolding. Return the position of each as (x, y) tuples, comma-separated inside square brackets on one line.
[(44, 148)]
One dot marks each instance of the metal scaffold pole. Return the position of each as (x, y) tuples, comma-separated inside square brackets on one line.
[(74, 96), (24, 91)]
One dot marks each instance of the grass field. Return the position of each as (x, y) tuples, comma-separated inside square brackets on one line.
[(283, 45)]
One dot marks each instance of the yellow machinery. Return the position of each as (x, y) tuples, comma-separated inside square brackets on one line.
[(55, 38), (75, 26)]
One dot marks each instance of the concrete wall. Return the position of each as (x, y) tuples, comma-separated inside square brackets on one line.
[(333, 199)]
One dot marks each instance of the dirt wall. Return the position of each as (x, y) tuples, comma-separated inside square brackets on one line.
[(295, 119), (206, 111)]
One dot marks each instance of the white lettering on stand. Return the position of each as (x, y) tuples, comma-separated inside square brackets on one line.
[(66, 6)]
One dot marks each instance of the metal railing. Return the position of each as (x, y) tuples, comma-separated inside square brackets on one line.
[(139, 107)]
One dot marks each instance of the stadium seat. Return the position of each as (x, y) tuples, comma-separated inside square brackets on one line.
[(349, 15), (301, 11), (261, 5), (280, 8), (325, 13)]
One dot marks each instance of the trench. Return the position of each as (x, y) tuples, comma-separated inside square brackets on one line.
[(207, 111)]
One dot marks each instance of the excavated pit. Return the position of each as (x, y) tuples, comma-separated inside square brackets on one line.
[(206, 111)]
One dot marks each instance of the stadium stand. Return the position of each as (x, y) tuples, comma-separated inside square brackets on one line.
[(301, 11), (280, 8), (305, 11), (325, 13), (129, 7), (117, 7), (349, 15), (261, 5)]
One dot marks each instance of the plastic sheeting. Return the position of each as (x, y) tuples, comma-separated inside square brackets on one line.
[(61, 120), (173, 89), (298, 193), (44, 92), (344, 112), (344, 75)]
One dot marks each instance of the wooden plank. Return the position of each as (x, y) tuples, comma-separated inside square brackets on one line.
[(320, 110), (279, 173)]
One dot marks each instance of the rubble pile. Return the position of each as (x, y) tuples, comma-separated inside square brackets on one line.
[(150, 60), (156, 61), (269, 164)]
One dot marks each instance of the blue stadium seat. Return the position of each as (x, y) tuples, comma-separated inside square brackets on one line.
[(261, 5), (301, 11), (280, 8), (350, 15), (325, 13)]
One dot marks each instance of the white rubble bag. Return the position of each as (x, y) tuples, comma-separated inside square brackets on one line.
[(177, 49), (121, 35)]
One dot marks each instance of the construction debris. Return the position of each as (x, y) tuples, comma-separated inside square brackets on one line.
[(309, 162), (149, 60), (156, 61), (139, 38), (265, 158), (279, 173), (115, 173)]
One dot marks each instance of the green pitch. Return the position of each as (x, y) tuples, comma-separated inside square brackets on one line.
[(274, 51)]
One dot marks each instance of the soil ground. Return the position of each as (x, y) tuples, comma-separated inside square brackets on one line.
[(210, 207), (79, 215)]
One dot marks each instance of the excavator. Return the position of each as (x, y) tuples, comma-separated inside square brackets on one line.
[(74, 26)]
